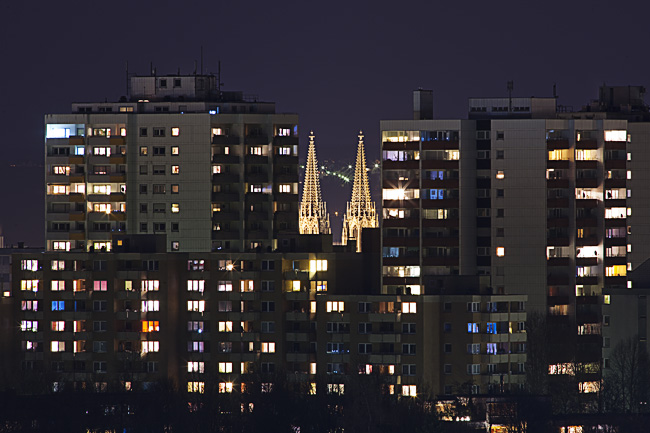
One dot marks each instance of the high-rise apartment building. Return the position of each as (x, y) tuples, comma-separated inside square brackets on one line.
[(549, 203), (210, 169)]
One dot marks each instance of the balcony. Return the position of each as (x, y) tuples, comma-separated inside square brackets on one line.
[(256, 139), (225, 197), (285, 141), (256, 177), (561, 143), (256, 159), (225, 139), (225, 159), (225, 216), (225, 178), (620, 164), (225, 234)]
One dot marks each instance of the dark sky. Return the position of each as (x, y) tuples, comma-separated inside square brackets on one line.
[(342, 65)]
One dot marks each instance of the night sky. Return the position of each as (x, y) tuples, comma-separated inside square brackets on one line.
[(341, 65)]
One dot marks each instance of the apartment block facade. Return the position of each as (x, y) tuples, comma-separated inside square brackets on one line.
[(550, 204), (210, 169), (125, 320)]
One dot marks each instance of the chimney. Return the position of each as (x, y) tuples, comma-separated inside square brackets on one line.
[(422, 104)]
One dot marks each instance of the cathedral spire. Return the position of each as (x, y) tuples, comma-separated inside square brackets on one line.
[(313, 218), (360, 211)]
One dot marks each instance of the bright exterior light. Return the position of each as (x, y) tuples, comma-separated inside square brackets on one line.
[(230, 267), (500, 175)]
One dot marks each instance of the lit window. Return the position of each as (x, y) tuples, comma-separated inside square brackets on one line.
[(198, 306), (268, 347), (317, 265), (501, 251), (500, 175), (225, 367), (61, 245), (616, 135), (246, 286), (150, 346), (559, 155), (31, 285), (195, 367), (29, 265), (336, 388), (59, 189), (335, 306), (284, 188), (100, 286), (196, 285), (409, 307), (123, 130), (57, 346), (198, 387), (409, 390), (175, 208), (102, 151), (61, 169), (175, 150), (615, 212), (225, 326), (224, 286), (57, 285), (102, 207), (29, 305), (150, 326), (176, 169), (473, 328), (151, 305), (284, 132), (58, 325), (225, 387), (29, 325), (256, 150), (58, 305), (616, 271), (176, 132), (606, 299), (150, 285)]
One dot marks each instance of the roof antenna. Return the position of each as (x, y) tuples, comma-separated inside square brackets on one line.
[(201, 59), (554, 90), (511, 85)]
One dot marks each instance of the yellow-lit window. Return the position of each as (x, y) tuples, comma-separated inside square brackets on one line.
[(58, 325), (57, 346), (295, 285), (268, 347), (606, 299), (312, 368), (61, 169), (559, 155), (225, 326), (198, 387), (616, 271), (101, 189), (123, 130), (500, 175), (29, 285), (176, 169), (409, 390), (176, 208), (57, 285), (319, 286), (225, 367), (409, 307), (246, 286), (150, 326), (175, 150), (59, 189), (284, 188), (225, 387), (196, 367), (501, 251), (336, 388), (102, 207), (128, 286), (312, 307), (176, 131), (317, 265), (150, 346), (61, 245), (312, 388)]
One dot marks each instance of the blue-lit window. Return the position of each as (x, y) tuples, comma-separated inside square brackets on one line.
[(437, 174), (491, 328), (79, 150), (58, 305), (473, 328), (436, 194)]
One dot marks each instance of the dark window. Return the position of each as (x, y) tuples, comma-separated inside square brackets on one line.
[(143, 132), (143, 189)]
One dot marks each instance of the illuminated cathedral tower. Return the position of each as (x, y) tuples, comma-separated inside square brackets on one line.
[(313, 217), (361, 211)]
